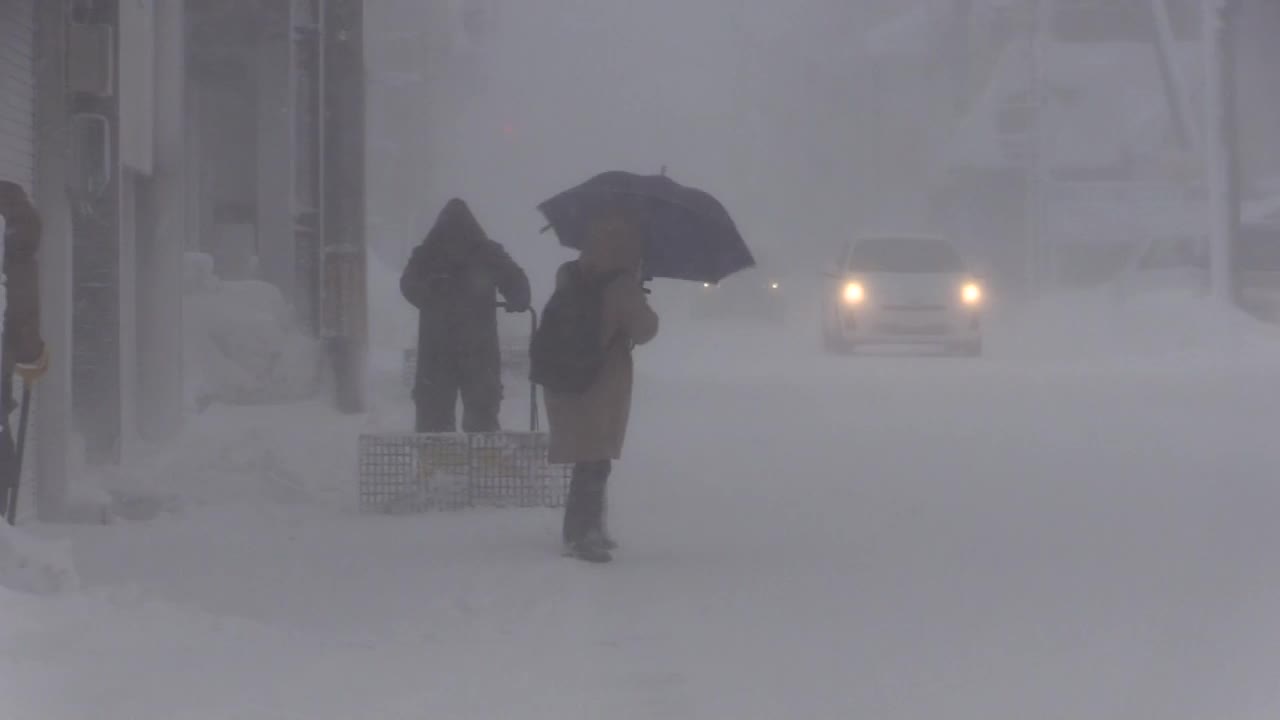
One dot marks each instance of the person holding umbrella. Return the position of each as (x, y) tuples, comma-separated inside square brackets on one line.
[(628, 228), (23, 351), (589, 424)]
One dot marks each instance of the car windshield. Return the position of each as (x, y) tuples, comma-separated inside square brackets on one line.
[(905, 255)]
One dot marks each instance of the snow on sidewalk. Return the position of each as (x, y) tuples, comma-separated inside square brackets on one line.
[(828, 537)]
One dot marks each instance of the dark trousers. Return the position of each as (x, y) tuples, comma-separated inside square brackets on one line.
[(584, 510), (441, 382), (8, 472)]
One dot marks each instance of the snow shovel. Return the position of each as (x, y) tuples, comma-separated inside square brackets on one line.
[(417, 472), (20, 443)]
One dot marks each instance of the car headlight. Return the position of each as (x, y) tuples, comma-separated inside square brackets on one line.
[(854, 293), (971, 294), (775, 285)]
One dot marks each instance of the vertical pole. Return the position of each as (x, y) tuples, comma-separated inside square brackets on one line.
[(96, 241), (961, 50), (1220, 147), (162, 237), (322, 153), (275, 100), (1175, 86), (344, 317), (53, 402), (1038, 259), (305, 158)]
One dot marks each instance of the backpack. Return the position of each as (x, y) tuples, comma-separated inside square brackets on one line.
[(567, 352)]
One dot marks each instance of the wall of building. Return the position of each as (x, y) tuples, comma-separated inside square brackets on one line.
[(275, 118), (162, 238), (17, 88), (18, 151), (1258, 95), (278, 110), (112, 256), (111, 271)]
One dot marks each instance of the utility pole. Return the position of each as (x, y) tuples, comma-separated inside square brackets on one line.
[(1175, 86), (1039, 260), (162, 238), (1220, 147)]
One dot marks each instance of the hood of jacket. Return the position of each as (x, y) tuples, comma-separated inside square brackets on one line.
[(456, 233)]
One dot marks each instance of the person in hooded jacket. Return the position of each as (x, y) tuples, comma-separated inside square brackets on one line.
[(452, 278), (24, 352), (588, 429)]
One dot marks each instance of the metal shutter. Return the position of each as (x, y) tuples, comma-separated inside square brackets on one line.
[(17, 91)]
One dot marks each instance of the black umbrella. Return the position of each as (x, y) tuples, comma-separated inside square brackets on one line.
[(689, 235)]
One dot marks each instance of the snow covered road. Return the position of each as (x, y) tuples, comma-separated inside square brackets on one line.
[(803, 537)]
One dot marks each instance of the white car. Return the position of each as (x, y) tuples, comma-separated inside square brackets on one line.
[(910, 290)]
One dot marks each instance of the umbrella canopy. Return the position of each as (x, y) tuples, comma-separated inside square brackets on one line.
[(688, 233)]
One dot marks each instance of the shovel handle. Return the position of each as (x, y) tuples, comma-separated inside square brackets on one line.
[(20, 442), (533, 389)]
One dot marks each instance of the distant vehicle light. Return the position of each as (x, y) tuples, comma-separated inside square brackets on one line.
[(971, 293), (774, 286), (854, 293)]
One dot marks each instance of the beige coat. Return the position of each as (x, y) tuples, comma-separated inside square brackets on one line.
[(592, 426)]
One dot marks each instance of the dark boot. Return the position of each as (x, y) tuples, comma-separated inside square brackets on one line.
[(606, 538), (8, 473), (591, 548), (575, 522), (585, 496), (586, 521)]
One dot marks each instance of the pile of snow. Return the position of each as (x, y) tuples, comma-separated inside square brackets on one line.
[(29, 565), (242, 344), (1155, 327), (290, 455)]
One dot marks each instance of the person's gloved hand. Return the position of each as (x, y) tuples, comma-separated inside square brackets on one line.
[(32, 372)]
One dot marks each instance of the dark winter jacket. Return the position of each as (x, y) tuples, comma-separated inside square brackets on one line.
[(452, 278), (22, 342)]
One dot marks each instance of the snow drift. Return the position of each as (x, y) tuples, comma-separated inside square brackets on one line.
[(242, 344), (28, 565)]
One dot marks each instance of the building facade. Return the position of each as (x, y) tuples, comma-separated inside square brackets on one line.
[(146, 129)]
